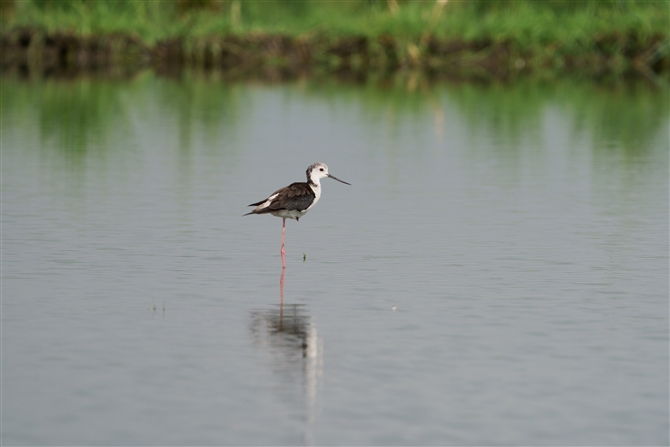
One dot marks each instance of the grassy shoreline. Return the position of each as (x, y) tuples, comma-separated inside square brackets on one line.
[(497, 39)]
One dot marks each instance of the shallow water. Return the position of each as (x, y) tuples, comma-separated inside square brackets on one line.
[(496, 274)]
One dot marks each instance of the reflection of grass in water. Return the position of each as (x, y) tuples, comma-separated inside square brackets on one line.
[(632, 115), (205, 108), (72, 116), (383, 99), (79, 116), (83, 115), (507, 112)]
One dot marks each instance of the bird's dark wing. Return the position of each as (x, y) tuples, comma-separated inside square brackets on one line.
[(296, 196)]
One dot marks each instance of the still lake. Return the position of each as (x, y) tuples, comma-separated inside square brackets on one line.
[(497, 273)]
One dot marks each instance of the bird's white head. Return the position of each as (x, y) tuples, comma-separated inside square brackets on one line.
[(317, 171)]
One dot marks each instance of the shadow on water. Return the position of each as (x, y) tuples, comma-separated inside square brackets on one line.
[(290, 339)]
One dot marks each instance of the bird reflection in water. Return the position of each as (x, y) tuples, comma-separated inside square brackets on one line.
[(288, 335)]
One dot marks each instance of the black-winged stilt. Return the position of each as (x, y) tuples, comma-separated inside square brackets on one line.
[(294, 200)]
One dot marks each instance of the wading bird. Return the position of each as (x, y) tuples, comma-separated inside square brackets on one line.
[(294, 200)]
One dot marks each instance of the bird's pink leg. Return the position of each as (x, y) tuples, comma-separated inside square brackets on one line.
[(281, 294), (283, 228)]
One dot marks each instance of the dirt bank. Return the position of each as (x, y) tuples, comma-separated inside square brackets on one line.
[(278, 56)]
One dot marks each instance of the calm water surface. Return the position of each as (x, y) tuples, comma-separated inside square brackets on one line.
[(496, 274)]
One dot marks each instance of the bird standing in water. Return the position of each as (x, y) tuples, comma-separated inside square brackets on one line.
[(294, 200)]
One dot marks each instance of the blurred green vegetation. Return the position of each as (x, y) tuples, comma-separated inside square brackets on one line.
[(474, 38), (526, 22)]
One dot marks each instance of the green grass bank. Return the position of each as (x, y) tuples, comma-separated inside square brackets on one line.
[(283, 38)]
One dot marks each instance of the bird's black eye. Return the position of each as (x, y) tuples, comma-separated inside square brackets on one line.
[(321, 169)]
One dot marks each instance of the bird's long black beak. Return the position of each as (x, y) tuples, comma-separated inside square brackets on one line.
[(341, 181)]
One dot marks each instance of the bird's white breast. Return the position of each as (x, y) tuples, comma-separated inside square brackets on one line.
[(286, 214), (317, 194)]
